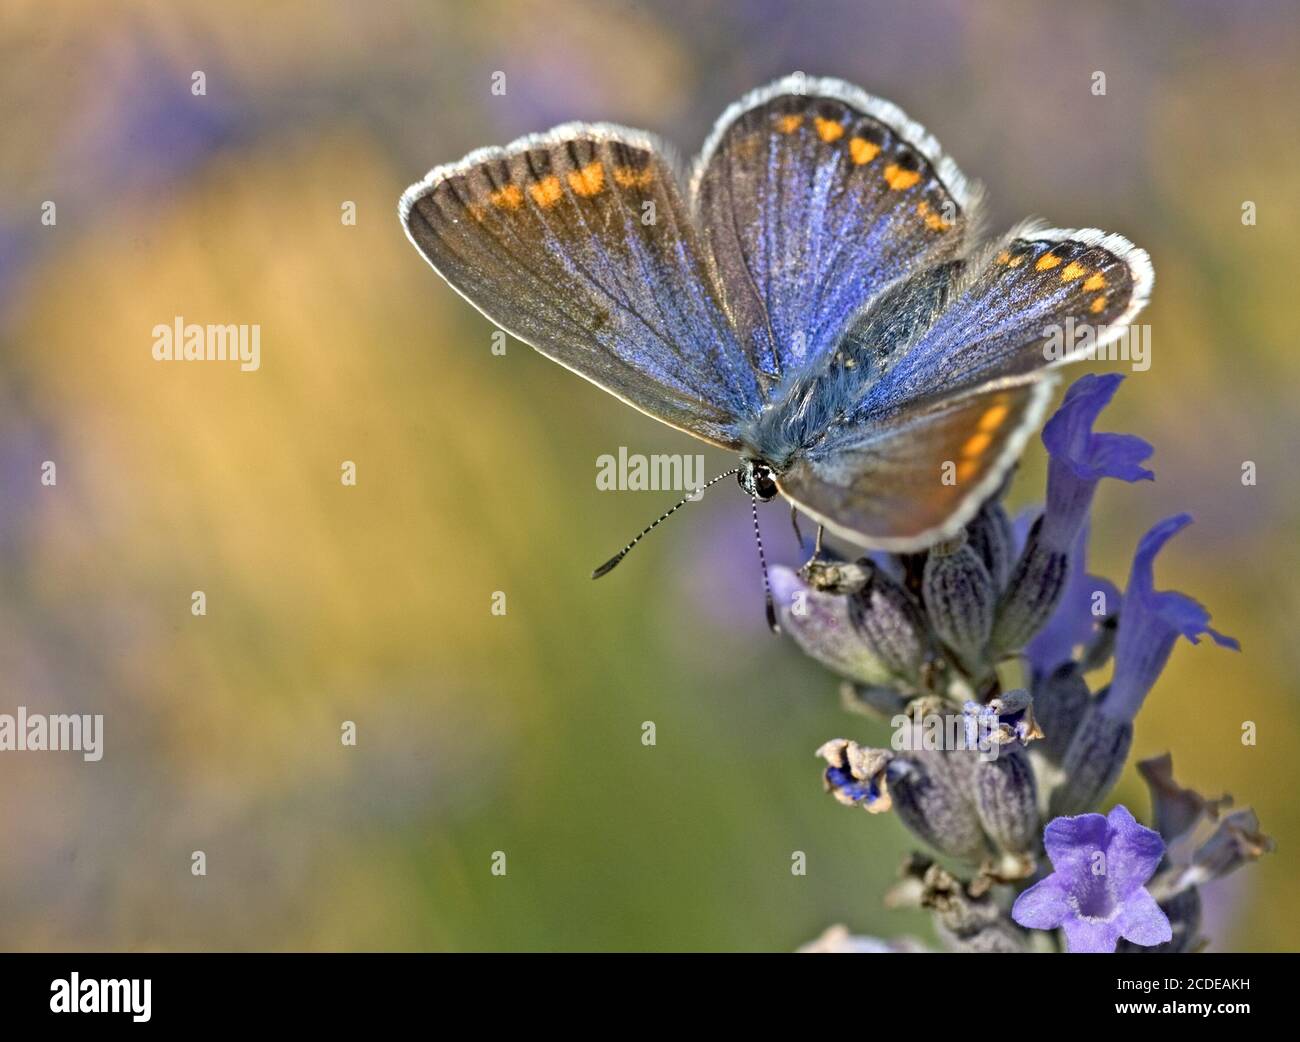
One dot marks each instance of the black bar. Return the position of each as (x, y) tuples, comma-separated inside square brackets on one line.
[(337, 991)]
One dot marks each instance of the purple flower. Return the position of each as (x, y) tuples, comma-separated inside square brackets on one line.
[(1080, 458), (1073, 622), (1150, 623), (1097, 892)]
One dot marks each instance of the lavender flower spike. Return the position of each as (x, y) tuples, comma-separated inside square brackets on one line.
[(1150, 622), (1080, 458), (1097, 892), (1074, 621)]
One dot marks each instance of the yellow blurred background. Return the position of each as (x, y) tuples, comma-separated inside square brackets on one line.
[(326, 603)]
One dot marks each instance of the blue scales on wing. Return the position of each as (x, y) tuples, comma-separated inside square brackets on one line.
[(813, 197), (578, 243), (937, 384)]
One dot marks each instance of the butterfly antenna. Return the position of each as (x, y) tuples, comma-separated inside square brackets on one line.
[(762, 562), (610, 565)]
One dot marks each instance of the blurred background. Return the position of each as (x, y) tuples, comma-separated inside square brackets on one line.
[(326, 603)]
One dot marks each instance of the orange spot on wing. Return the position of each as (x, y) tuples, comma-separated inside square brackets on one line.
[(828, 130), (1098, 304), (547, 191), (1016, 261), (589, 180), (993, 417), (629, 177), (862, 151), (1047, 261), (789, 124), (966, 468), (933, 220), (976, 444), (899, 179), (1072, 271), (511, 197), (1003, 257), (1095, 283)]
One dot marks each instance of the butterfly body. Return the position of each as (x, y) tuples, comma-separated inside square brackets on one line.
[(807, 298)]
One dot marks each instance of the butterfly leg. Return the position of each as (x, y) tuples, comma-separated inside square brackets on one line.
[(817, 549)]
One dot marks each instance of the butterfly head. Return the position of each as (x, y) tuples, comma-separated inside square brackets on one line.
[(757, 479)]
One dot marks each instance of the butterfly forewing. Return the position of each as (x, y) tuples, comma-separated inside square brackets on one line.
[(577, 242), (954, 371), (812, 197), (1039, 299)]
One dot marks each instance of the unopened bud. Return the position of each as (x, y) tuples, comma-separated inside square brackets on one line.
[(931, 793), (1060, 701), (993, 538), (1036, 584), (960, 600), (1092, 763)]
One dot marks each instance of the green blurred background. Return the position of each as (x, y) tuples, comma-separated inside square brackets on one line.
[(326, 603)]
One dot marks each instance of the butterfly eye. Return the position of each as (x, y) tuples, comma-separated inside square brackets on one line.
[(757, 480)]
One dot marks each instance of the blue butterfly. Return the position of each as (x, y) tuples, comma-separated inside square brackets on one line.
[(808, 298)]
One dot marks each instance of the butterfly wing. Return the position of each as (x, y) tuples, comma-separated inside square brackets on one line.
[(915, 476), (1039, 299), (812, 196), (953, 371), (577, 242)]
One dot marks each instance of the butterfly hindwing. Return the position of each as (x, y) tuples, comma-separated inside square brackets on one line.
[(813, 196), (917, 474), (578, 243)]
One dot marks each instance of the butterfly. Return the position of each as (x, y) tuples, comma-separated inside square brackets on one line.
[(811, 297)]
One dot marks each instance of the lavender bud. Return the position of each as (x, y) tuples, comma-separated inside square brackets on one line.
[(960, 599), (1035, 588), (819, 622), (856, 776), (966, 916), (1177, 810), (1014, 712), (1235, 842), (889, 622), (993, 538), (1092, 763), (1006, 798), (1102, 646), (1060, 701), (930, 793), (882, 703)]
